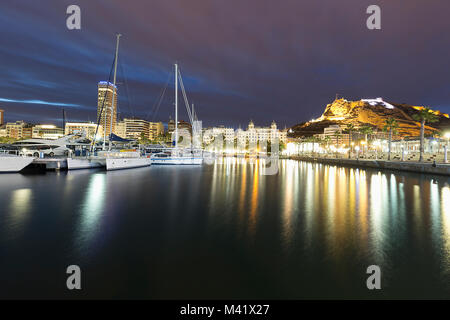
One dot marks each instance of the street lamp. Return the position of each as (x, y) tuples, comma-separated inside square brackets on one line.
[(447, 135)]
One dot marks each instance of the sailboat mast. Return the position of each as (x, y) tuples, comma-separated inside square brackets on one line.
[(114, 90), (176, 105)]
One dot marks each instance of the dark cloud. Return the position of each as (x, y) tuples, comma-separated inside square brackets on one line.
[(255, 59)]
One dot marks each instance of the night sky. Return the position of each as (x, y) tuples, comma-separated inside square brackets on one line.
[(281, 60)]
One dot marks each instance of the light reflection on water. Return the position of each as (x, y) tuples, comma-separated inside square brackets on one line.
[(92, 210), (310, 226), (19, 209)]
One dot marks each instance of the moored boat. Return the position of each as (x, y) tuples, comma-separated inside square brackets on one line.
[(127, 163), (13, 163), (171, 159), (85, 163)]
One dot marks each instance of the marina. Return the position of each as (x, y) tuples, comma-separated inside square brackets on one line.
[(231, 157)]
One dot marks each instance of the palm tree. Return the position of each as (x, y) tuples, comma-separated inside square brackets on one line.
[(327, 140), (350, 128), (366, 130), (424, 115), (390, 126)]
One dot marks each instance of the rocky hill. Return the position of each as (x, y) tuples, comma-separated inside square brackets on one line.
[(373, 112)]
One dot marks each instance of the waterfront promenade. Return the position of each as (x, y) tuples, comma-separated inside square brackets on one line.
[(431, 165)]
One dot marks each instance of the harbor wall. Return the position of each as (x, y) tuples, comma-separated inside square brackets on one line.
[(429, 168)]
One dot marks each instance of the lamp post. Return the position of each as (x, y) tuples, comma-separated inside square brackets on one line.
[(447, 135)]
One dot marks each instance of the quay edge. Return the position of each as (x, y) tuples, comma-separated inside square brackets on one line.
[(418, 167)]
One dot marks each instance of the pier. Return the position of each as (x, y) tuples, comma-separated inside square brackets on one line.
[(419, 167), (49, 163)]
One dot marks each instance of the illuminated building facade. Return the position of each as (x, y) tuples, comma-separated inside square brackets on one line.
[(156, 130), (84, 128), (106, 90), (18, 130), (47, 131)]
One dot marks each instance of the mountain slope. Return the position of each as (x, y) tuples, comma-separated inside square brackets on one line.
[(373, 112)]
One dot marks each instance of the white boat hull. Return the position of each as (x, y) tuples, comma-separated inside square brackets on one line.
[(177, 161), (74, 164), (127, 163), (14, 163)]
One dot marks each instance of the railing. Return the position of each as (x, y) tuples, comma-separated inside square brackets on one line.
[(370, 155), (14, 152)]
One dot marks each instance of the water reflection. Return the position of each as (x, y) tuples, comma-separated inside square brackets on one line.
[(445, 209), (19, 209), (308, 226), (92, 210), (367, 211)]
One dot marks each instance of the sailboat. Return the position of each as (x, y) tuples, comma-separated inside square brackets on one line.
[(111, 159), (177, 156)]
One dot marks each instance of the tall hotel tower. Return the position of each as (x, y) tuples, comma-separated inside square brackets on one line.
[(105, 92)]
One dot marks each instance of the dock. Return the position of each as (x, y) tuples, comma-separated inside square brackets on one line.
[(50, 163)]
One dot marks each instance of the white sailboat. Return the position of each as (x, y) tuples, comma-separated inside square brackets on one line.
[(176, 156), (111, 159)]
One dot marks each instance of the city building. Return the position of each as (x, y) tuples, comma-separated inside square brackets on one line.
[(210, 134), (2, 117), (84, 128), (334, 134), (137, 128), (47, 131), (121, 129), (133, 128), (251, 136), (156, 130), (18, 130), (181, 125), (105, 100), (3, 132)]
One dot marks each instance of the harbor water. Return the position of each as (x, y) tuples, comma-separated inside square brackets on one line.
[(225, 231)]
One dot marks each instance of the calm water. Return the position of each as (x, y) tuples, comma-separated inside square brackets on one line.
[(225, 231)]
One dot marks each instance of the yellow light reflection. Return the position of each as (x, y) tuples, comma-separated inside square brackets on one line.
[(20, 203), (92, 208)]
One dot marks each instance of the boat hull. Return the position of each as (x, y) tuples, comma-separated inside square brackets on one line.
[(177, 161), (14, 163), (75, 164), (127, 163)]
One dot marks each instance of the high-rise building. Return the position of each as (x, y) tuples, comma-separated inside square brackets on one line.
[(2, 115), (106, 90)]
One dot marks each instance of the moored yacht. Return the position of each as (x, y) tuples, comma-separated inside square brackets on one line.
[(177, 156), (111, 158), (165, 158), (13, 163)]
